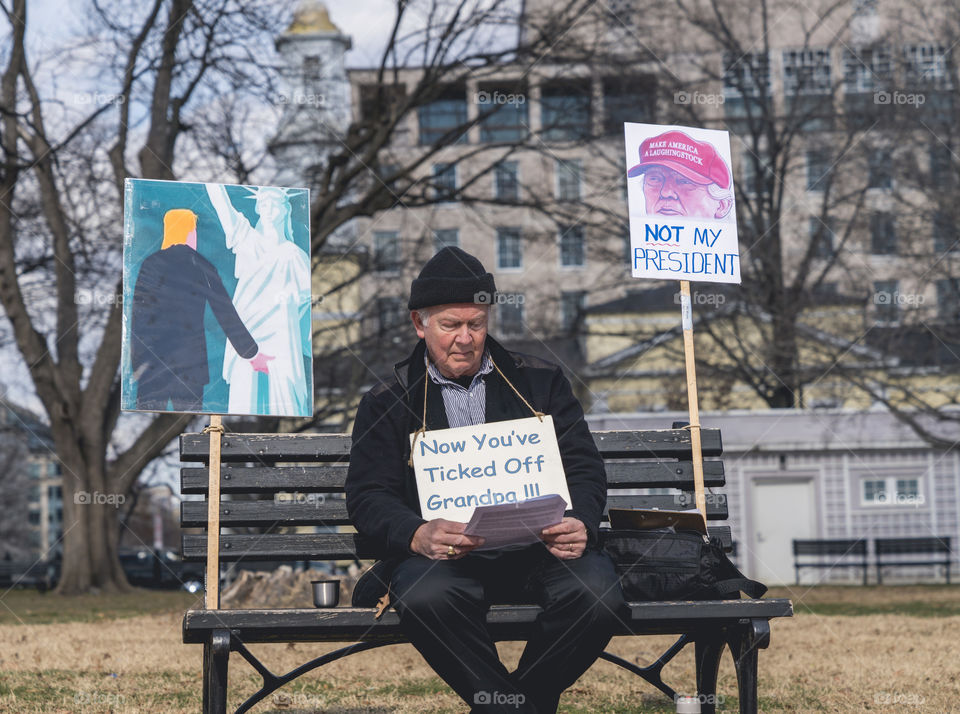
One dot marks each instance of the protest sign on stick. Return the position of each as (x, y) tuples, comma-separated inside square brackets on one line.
[(682, 227)]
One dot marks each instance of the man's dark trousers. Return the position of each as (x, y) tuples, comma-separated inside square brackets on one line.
[(443, 603)]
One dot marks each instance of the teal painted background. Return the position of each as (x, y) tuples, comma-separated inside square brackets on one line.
[(145, 203)]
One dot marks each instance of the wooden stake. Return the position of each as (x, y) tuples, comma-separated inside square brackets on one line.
[(211, 600), (686, 315)]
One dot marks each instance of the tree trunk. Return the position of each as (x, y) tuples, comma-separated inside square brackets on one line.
[(90, 525)]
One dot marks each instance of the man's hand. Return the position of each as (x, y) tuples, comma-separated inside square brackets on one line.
[(435, 538), (259, 362), (566, 540)]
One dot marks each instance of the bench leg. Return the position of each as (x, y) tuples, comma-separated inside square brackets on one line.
[(707, 654), (216, 655), (744, 644)]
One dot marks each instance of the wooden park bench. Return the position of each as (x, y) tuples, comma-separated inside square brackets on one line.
[(262, 465), (830, 554), (904, 552)]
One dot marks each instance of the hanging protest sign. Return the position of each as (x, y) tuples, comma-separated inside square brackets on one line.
[(487, 464), (681, 204), (216, 299)]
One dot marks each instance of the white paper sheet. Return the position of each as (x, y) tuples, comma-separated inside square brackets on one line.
[(515, 524)]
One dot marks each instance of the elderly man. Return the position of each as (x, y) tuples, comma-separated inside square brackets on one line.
[(441, 588), (684, 177)]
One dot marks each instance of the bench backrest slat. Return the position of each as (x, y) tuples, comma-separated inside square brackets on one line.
[(308, 546), (299, 448), (910, 546), (855, 546), (330, 478), (311, 510)]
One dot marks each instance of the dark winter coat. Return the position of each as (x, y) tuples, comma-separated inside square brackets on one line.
[(381, 488)]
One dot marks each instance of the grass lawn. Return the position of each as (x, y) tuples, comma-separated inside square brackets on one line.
[(848, 649)]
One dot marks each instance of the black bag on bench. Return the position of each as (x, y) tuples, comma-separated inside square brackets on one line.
[(661, 564)]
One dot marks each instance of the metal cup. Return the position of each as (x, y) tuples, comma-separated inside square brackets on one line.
[(326, 593)]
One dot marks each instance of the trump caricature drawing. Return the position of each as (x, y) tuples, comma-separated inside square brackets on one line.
[(683, 177)]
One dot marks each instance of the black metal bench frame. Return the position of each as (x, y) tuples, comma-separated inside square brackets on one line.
[(899, 547), (712, 626)]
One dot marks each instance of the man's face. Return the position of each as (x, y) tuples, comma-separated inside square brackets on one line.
[(455, 336), (669, 193)]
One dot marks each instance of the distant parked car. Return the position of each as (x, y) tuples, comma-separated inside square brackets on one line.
[(161, 569)]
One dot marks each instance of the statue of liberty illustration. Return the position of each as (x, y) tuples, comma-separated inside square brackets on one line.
[(272, 297)]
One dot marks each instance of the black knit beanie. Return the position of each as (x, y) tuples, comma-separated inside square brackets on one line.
[(451, 276)]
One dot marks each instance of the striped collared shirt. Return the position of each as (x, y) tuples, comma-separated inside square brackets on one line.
[(465, 406)]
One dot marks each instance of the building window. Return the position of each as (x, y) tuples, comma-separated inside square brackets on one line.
[(571, 246), (446, 237), (807, 87), (948, 301), (390, 313), (806, 71), (509, 248), (33, 518), (823, 237), (504, 112), (510, 316), (569, 176), (628, 99), (381, 102), (506, 181), (891, 491), (879, 169), (867, 70), (926, 66), (443, 115), (445, 182), (886, 299), (883, 235), (565, 111), (819, 164), (386, 251), (944, 234), (571, 308), (311, 68), (746, 86), (941, 164)]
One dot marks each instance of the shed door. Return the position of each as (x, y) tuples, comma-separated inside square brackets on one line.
[(782, 511)]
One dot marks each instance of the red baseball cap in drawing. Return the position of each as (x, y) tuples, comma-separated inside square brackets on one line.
[(696, 160)]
